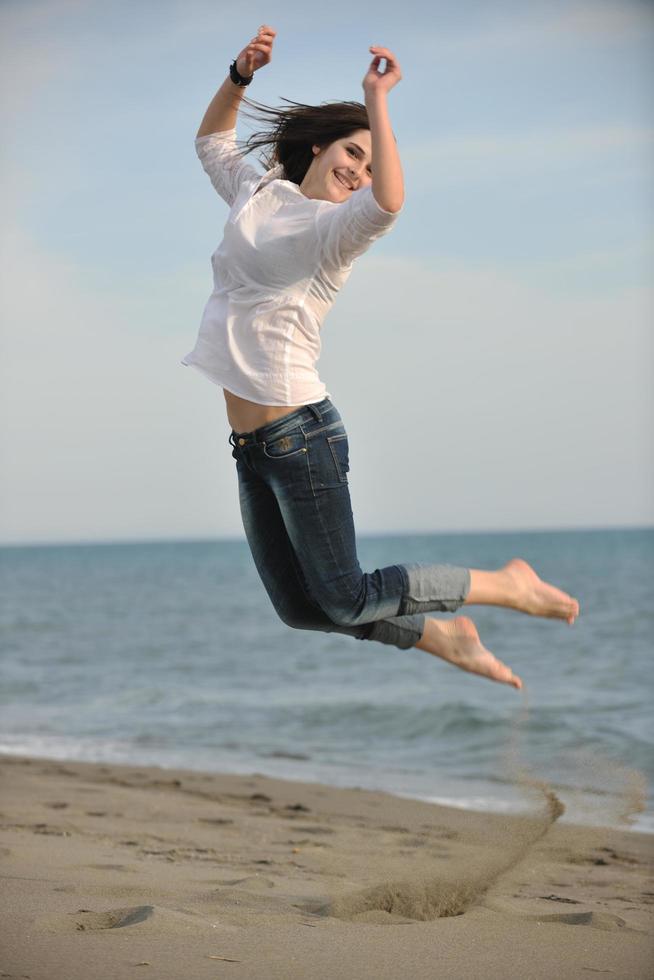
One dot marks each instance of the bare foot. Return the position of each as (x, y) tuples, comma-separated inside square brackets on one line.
[(516, 586), (457, 641), (529, 594)]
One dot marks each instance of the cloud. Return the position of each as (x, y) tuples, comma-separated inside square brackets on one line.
[(465, 157), (500, 28), (610, 19)]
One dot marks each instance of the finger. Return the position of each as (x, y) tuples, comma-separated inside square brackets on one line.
[(383, 52), (390, 68), (391, 62), (259, 55)]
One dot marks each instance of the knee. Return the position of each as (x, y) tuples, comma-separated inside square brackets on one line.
[(295, 620), (303, 618)]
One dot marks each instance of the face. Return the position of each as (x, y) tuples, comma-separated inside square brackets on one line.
[(339, 169)]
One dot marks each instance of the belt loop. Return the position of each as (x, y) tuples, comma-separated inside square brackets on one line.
[(232, 439), (315, 411)]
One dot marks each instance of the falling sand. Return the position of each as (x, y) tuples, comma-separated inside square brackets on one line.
[(429, 895)]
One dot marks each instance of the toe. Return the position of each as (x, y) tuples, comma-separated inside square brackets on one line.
[(506, 676)]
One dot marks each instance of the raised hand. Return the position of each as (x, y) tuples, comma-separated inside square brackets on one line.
[(257, 53), (381, 81)]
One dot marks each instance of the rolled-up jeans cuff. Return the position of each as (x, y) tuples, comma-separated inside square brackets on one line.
[(403, 632), (433, 588)]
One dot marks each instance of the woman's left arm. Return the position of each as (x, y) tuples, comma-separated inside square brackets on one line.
[(387, 180)]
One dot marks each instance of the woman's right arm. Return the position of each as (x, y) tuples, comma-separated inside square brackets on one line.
[(223, 108)]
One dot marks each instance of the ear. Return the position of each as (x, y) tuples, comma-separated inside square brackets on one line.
[(315, 150)]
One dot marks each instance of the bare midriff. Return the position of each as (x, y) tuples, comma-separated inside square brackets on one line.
[(245, 416)]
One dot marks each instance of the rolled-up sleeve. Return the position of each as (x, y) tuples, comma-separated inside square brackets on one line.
[(346, 230), (224, 163)]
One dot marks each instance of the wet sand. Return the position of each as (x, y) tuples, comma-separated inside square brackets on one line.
[(113, 872)]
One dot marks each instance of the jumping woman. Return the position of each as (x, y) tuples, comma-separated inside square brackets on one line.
[(333, 186)]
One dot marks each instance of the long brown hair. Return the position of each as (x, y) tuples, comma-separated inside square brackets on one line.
[(291, 133)]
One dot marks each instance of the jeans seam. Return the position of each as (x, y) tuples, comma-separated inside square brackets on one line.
[(331, 550), (341, 477)]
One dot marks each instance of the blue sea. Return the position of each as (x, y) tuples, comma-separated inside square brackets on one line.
[(169, 653)]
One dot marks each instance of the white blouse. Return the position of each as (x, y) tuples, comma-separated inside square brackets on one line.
[(276, 273)]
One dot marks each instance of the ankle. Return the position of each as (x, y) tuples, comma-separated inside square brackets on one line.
[(490, 588)]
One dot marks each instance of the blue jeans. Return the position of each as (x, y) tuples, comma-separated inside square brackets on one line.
[(295, 504)]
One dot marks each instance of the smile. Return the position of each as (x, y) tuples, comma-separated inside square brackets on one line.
[(342, 181)]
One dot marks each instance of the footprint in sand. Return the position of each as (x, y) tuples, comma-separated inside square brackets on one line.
[(110, 867), (251, 881), (598, 920), (87, 920), (606, 921), (150, 920)]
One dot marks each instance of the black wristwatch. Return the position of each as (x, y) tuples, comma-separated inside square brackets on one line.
[(236, 77)]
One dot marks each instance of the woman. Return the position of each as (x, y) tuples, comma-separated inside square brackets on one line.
[(333, 186)]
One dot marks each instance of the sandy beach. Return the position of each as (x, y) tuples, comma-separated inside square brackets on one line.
[(113, 872)]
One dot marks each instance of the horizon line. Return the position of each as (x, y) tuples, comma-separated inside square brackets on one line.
[(209, 539)]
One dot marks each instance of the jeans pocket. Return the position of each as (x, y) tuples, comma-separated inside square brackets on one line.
[(328, 461)]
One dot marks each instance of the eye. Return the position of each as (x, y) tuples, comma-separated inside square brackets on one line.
[(352, 150)]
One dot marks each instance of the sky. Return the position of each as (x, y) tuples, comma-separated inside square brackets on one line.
[(491, 357)]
